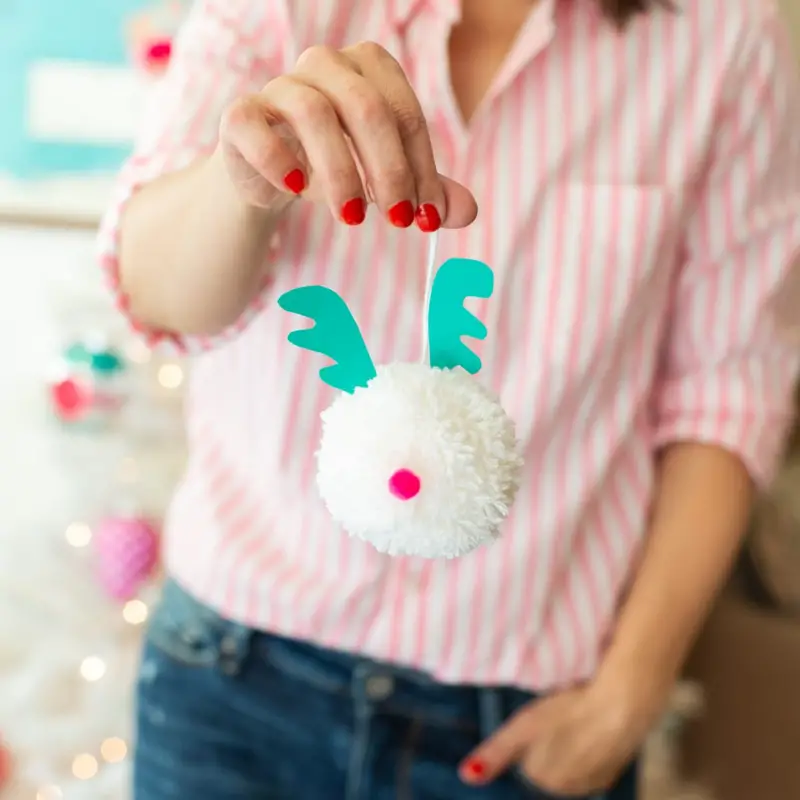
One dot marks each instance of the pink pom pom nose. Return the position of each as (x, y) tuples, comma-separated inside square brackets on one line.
[(404, 484)]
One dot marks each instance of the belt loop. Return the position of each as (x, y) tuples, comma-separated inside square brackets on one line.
[(491, 713), (363, 710)]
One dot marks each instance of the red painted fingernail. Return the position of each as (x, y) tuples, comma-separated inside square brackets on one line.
[(401, 215), (428, 219), (474, 770), (295, 181), (354, 211)]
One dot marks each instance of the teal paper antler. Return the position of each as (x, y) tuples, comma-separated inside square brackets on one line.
[(335, 334), (448, 320)]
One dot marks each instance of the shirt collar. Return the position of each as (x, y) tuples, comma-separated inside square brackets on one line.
[(401, 11)]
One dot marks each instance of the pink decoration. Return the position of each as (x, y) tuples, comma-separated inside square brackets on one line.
[(127, 553), (149, 34), (157, 54), (404, 484), (5, 766), (71, 400)]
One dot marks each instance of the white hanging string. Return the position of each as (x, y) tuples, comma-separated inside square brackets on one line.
[(430, 271)]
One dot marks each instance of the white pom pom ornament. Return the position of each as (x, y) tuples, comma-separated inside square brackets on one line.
[(416, 459), (420, 462)]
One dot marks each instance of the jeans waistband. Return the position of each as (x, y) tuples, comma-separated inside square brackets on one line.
[(193, 633)]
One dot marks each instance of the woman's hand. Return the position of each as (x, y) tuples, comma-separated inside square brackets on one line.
[(344, 128), (575, 743)]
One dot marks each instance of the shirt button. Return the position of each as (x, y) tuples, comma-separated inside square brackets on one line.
[(228, 646), (379, 687), (229, 667)]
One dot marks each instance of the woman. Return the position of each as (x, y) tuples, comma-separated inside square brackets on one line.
[(637, 171)]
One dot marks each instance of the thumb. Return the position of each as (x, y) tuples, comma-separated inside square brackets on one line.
[(461, 205), (502, 749)]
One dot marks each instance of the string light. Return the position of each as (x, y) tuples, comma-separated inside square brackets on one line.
[(87, 766), (93, 669), (114, 750), (170, 376), (78, 534), (135, 612), (84, 767)]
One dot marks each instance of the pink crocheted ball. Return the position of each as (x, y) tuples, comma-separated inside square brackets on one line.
[(127, 552), (5, 766)]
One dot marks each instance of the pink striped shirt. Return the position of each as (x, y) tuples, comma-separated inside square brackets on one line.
[(640, 205)]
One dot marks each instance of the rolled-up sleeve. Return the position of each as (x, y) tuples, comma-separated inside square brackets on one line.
[(729, 369), (225, 48)]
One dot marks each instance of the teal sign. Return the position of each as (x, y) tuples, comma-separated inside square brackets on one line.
[(32, 31)]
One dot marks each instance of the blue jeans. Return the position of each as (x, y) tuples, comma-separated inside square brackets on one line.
[(228, 713)]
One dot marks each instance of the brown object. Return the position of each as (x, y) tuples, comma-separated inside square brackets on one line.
[(774, 546), (661, 777), (745, 745)]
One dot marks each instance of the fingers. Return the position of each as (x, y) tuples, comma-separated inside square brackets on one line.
[(559, 744), (381, 71), (355, 131), (460, 204), (316, 124), (370, 123), (504, 748), (566, 765), (248, 136)]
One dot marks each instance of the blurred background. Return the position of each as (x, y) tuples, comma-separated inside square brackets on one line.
[(91, 446), (90, 427)]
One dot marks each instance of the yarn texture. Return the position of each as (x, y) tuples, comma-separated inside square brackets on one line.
[(446, 429)]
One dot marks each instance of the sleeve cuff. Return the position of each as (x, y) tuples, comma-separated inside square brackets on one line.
[(756, 438)]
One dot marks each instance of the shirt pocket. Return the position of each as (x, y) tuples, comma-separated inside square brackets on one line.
[(585, 294)]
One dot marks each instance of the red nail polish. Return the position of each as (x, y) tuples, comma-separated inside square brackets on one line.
[(474, 770), (295, 181), (401, 215), (428, 219), (354, 211)]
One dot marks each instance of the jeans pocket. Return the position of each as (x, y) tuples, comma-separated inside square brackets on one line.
[(535, 792), (496, 707), (185, 630), (624, 790)]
